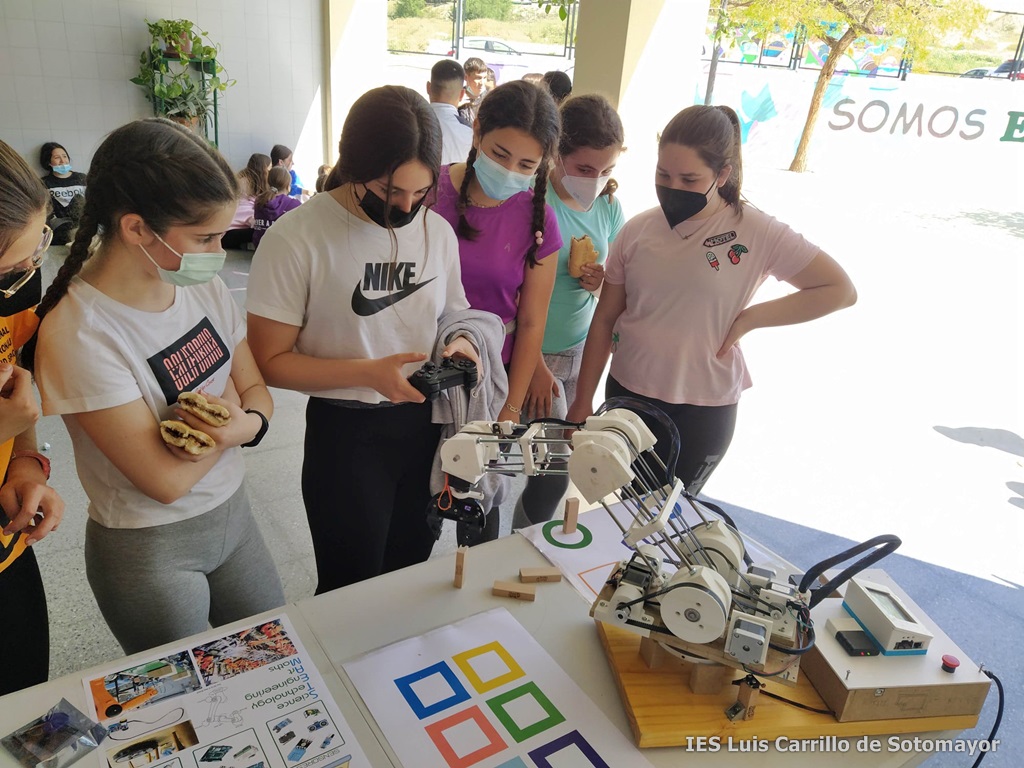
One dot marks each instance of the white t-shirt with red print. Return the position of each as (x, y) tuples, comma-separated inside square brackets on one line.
[(94, 352)]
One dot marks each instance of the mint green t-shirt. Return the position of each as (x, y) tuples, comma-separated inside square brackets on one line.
[(572, 307)]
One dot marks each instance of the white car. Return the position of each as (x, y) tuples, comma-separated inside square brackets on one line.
[(506, 60), (978, 72)]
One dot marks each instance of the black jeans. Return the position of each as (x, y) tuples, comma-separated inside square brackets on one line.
[(26, 625), (366, 486), (704, 432)]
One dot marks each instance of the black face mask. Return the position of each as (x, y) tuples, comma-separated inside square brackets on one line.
[(680, 204), (375, 208), (27, 296)]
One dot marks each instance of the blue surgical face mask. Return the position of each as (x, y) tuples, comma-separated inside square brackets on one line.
[(66, 168), (498, 182), (195, 268)]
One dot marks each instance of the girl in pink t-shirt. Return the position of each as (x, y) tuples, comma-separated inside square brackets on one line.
[(678, 282)]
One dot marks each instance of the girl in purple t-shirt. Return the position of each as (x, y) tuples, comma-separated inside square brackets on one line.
[(505, 229), (272, 204)]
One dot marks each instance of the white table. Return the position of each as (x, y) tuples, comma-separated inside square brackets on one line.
[(340, 625), (407, 603)]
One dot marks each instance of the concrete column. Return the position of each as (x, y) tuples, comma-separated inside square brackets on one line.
[(355, 56), (644, 56)]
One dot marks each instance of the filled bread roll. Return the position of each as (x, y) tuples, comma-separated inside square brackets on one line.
[(197, 405), (181, 435), (581, 251)]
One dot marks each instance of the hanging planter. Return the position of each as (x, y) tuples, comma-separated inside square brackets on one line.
[(167, 73)]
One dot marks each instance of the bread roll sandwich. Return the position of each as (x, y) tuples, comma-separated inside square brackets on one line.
[(581, 251), (197, 405), (180, 434)]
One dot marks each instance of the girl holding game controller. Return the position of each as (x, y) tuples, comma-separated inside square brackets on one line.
[(345, 299), (128, 325)]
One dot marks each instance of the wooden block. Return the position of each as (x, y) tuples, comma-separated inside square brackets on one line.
[(514, 590), (572, 511), (706, 679), (460, 565), (547, 573), (652, 653)]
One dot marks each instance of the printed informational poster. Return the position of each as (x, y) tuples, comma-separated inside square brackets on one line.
[(483, 693), (586, 558), (248, 699)]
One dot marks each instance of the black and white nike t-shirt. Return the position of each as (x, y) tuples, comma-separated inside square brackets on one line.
[(338, 279)]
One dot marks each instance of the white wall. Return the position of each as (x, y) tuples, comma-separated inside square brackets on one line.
[(65, 65)]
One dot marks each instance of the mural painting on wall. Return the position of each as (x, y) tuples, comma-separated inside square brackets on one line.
[(873, 56), (867, 55), (865, 120)]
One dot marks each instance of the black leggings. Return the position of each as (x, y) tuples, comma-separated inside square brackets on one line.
[(705, 432), (26, 625), (366, 486)]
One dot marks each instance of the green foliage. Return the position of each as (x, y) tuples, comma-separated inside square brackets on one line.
[(487, 9), (166, 70), (919, 22), (562, 5), (956, 61), (408, 9)]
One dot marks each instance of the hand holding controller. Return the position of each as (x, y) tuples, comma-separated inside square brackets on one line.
[(431, 378)]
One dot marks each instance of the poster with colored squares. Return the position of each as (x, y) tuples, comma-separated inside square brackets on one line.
[(482, 693)]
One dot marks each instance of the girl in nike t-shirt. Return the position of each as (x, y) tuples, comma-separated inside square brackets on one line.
[(344, 300)]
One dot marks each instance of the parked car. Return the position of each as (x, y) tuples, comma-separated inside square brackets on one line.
[(1011, 68), (507, 61), (978, 72)]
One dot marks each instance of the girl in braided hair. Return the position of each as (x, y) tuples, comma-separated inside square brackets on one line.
[(127, 325), (506, 230)]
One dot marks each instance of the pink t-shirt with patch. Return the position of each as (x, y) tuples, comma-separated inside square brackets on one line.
[(682, 297)]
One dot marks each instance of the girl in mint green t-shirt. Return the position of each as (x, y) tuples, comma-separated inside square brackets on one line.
[(580, 191)]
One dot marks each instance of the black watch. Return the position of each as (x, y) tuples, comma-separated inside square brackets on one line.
[(262, 431)]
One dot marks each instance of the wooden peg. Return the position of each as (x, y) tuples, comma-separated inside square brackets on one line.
[(514, 590), (748, 698), (460, 565), (572, 511), (547, 573)]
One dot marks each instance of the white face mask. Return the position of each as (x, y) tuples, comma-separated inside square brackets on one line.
[(584, 189), (195, 268)]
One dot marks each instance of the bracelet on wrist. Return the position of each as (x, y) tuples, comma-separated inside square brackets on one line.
[(262, 430), (512, 408), (43, 461)]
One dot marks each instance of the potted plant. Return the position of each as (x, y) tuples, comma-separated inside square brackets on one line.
[(177, 35), (177, 50)]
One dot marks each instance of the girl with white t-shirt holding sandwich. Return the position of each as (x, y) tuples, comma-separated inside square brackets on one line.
[(677, 286), (128, 324)]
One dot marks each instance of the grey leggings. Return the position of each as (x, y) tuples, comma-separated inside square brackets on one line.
[(541, 496), (160, 584)]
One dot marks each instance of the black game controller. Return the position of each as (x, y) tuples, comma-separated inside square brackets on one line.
[(432, 378)]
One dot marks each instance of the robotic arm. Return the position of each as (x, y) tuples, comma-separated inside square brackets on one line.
[(689, 583)]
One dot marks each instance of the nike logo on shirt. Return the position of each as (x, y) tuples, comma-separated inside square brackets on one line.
[(385, 276)]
